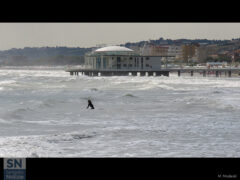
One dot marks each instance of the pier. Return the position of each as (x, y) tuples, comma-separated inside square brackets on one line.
[(117, 72), (161, 72), (217, 71), (122, 61)]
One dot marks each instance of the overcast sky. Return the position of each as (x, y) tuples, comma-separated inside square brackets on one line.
[(20, 35)]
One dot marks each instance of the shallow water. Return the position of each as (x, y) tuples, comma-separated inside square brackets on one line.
[(43, 114)]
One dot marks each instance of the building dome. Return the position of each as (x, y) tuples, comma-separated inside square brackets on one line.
[(114, 49)]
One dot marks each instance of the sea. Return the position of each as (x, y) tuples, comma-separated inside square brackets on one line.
[(43, 113)]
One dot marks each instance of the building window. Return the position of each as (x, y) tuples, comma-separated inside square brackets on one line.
[(147, 58), (118, 59), (147, 65), (124, 65), (130, 58), (130, 65), (98, 62), (104, 63)]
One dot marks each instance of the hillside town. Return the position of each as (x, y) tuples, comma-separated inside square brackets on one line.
[(181, 52), (222, 53)]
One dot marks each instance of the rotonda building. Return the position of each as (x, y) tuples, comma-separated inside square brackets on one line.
[(121, 58)]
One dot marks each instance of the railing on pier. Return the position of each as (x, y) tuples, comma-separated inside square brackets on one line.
[(158, 72)]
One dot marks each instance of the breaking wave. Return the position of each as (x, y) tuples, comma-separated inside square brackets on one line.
[(52, 145), (17, 113), (68, 137), (130, 95), (94, 89)]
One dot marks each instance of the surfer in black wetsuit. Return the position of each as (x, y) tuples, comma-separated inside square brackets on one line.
[(90, 104)]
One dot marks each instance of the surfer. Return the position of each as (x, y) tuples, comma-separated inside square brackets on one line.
[(90, 104)]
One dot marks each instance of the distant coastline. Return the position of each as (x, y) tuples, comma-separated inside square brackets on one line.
[(33, 67), (62, 56)]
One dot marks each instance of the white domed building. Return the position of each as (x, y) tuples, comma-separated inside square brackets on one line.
[(120, 58)]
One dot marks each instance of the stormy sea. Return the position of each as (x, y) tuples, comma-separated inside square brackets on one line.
[(43, 114)]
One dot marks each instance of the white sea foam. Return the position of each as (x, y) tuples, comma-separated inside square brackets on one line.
[(6, 82), (43, 114)]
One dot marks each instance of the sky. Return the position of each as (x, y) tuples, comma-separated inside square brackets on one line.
[(20, 35)]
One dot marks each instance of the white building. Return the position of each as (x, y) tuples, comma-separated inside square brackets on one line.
[(176, 51), (216, 64), (121, 58), (172, 52)]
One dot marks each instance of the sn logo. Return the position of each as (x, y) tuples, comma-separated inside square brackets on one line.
[(14, 163)]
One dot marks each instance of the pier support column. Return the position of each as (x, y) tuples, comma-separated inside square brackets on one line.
[(121, 73), (217, 73), (106, 73), (142, 73), (150, 73), (229, 73), (191, 73), (225, 73), (126, 73), (179, 73), (158, 73), (204, 73), (134, 73), (95, 73), (166, 73), (71, 73)]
